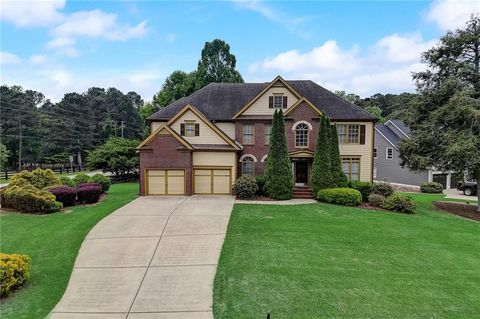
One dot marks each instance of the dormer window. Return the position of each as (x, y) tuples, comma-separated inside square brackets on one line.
[(189, 129), (277, 101)]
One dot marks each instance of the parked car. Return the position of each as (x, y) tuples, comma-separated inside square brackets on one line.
[(468, 188)]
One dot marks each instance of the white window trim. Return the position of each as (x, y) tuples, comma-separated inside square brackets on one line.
[(264, 158), (386, 153), (375, 151), (248, 155), (294, 126), (281, 101)]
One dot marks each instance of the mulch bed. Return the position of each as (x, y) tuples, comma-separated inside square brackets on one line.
[(460, 209)]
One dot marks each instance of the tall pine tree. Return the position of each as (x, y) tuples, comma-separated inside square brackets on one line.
[(278, 172), (338, 177), (321, 167)]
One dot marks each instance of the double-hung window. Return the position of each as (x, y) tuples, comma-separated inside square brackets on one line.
[(248, 134), (389, 153), (348, 133), (351, 168), (268, 132), (247, 166), (189, 129)]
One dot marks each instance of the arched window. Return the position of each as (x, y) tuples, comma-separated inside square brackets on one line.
[(247, 166), (301, 135)]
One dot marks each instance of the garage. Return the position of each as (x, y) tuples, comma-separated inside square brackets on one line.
[(212, 181), (165, 182)]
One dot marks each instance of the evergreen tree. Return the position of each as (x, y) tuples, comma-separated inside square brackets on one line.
[(278, 173), (321, 167), (338, 177)]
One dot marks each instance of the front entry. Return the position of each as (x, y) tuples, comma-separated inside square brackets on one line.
[(301, 172)]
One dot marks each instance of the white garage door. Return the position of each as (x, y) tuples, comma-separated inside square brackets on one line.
[(165, 182), (212, 181)]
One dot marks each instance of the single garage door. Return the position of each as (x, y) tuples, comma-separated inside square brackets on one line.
[(165, 182), (212, 181)]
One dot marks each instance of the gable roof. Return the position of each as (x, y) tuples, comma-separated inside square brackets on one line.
[(221, 101), (400, 126), (391, 135), (170, 131)]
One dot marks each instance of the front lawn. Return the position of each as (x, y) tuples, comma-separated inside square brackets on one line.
[(52, 241), (327, 261)]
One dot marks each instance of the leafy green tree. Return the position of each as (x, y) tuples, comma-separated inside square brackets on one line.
[(445, 120), (322, 162), (117, 156), (338, 177), (4, 154), (376, 111), (350, 97), (177, 85), (278, 171), (217, 64)]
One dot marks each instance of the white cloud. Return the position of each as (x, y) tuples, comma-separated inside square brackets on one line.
[(38, 59), (403, 48), (60, 42), (31, 13), (9, 58), (452, 14)]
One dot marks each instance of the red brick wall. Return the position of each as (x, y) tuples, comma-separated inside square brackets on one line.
[(164, 152)]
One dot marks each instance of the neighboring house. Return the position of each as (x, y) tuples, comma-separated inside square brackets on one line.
[(201, 143), (387, 160)]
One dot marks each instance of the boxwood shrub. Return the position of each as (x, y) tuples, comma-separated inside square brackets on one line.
[(342, 196), (65, 195), (39, 178), (384, 189), (365, 188), (431, 187), (67, 181), (14, 271), (399, 203), (81, 178), (29, 199), (101, 179), (89, 193), (245, 187)]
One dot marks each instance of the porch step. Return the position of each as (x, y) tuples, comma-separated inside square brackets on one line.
[(302, 192)]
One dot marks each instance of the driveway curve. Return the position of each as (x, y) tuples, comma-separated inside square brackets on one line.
[(155, 257)]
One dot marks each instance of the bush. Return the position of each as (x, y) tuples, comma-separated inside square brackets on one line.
[(399, 203), (67, 181), (89, 193), (260, 180), (376, 200), (342, 196), (245, 187), (65, 195), (103, 180), (29, 199), (18, 182), (431, 187), (81, 178), (365, 188), (384, 189), (39, 178), (14, 271)]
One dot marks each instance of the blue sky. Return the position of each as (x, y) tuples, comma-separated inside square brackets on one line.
[(362, 47)]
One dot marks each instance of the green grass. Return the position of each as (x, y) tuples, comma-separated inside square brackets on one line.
[(52, 241), (327, 261)]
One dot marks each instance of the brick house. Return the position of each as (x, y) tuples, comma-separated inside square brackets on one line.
[(199, 144)]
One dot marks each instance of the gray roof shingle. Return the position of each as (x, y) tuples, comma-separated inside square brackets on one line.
[(389, 134)]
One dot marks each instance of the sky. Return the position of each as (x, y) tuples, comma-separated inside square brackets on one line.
[(363, 47)]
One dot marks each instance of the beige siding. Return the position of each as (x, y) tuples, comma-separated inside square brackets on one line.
[(207, 135), (155, 125), (364, 151), (227, 128), (260, 107), (216, 159)]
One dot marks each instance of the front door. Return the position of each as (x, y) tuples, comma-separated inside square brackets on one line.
[(301, 172)]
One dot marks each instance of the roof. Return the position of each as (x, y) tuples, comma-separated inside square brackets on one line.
[(221, 101), (400, 125), (390, 134)]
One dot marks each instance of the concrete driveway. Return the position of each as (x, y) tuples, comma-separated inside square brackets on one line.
[(153, 258)]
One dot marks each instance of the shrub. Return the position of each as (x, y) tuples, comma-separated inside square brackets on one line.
[(103, 180), (399, 203), (365, 188), (39, 178), (260, 180), (384, 189), (89, 193), (18, 182), (67, 181), (65, 195), (245, 187), (14, 271), (29, 199), (376, 200), (431, 187), (81, 178), (342, 196)]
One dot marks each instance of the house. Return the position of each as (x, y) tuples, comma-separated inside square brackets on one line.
[(387, 161), (201, 143)]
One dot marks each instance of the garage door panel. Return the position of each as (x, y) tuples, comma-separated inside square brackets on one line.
[(176, 185), (221, 184), (212, 181), (166, 182), (203, 184), (156, 185)]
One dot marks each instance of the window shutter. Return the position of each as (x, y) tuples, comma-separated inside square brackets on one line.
[(284, 102), (197, 129), (182, 129), (270, 102), (362, 134)]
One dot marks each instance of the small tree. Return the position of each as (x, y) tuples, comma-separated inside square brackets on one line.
[(321, 167), (4, 154), (338, 177), (278, 172), (117, 156)]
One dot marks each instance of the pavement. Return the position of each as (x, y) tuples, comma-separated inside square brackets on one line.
[(454, 193), (156, 257)]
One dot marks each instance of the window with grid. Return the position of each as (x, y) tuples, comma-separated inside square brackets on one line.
[(278, 101), (301, 135), (342, 133), (189, 129), (348, 133), (351, 168), (247, 166), (268, 132), (248, 134)]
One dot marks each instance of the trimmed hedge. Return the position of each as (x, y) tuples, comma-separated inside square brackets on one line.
[(67, 181), (399, 203), (365, 188), (29, 199), (431, 187), (103, 180), (14, 271), (39, 178), (384, 189), (65, 195), (81, 178), (342, 196), (89, 193), (376, 200), (246, 187)]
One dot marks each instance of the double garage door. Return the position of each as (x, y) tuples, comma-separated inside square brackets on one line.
[(211, 181), (165, 182)]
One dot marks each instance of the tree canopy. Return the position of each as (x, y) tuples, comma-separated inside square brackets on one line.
[(117, 155)]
